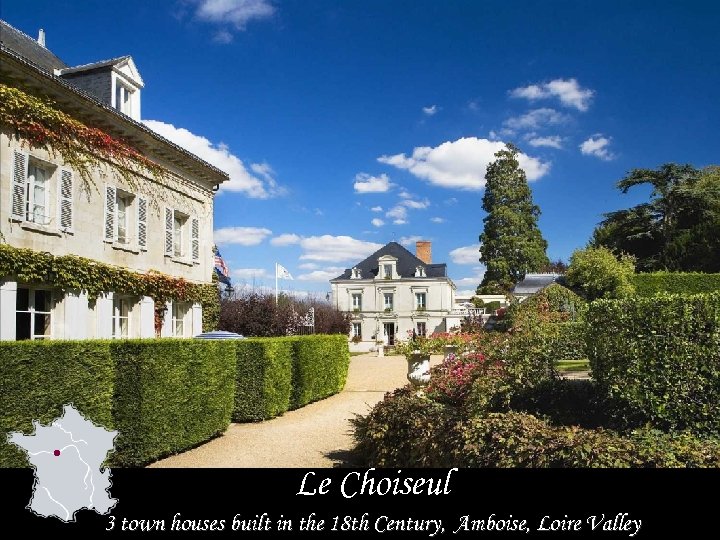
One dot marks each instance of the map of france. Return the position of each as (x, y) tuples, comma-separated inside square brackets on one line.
[(67, 455)]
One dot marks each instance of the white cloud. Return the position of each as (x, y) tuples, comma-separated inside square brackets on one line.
[(551, 141), (286, 239), (326, 274), (244, 236), (241, 180), (460, 164), (377, 222), (437, 220), (364, 183), (405, 194), (472, 281), (308, 266), (336, 248), (410, 240), (430, 111), (597, 146), (417, 205), (466, 254), (250, 273), (236, 13), (534, 119), (570, 93), (398, 213), (400, 221), (376, 209), (451, 201)]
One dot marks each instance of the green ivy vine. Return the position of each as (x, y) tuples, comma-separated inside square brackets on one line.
[(70, 272)]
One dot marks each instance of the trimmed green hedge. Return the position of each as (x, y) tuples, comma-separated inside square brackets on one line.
[(163, 396), (264, 378), (660, 355), (170, 395), (38, 377), (320, 367), (675, 283)]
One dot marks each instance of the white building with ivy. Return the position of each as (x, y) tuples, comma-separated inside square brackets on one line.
[(106, 227), (393, 293)]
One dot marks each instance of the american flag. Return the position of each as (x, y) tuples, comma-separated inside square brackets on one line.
[(221, 268)]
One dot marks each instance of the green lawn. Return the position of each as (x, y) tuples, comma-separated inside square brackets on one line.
[(572, 365)]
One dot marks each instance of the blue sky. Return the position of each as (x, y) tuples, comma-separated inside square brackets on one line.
[(348, 124)]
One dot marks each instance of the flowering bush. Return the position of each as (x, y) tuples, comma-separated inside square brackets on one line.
[(451, 381)]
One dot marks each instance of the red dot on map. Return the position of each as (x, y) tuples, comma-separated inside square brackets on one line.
[(56, 452)]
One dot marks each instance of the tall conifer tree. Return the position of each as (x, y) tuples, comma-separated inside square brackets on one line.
[(511, 244)]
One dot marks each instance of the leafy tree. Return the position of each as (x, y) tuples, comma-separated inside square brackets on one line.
[(678, 229), (511, 242), (597, 273)]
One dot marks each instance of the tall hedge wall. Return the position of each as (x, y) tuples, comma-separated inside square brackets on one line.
[(264, 378), (170, 395), (38, 377), (163, 396), (675, 283), (661, 355), (320, 367)]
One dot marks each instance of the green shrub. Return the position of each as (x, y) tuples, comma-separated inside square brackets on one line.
[(320, 367), (38, 377), (660, 355), (264, 378), (554, 303), (406, 430), (598, 273), (170, 395), (675, 283)]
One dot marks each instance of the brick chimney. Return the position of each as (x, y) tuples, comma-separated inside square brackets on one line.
[(423, 251), (41, 37)]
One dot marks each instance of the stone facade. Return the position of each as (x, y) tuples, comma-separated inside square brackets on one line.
[(413, 296), (163, 225)]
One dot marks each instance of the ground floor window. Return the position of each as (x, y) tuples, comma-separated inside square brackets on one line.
[(121, 317), (357, 330), (33, 314), (179, 316), (421, 328)]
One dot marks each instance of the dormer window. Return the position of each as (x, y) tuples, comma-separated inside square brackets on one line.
[(420, 271), (123, 98), (355, 274), (387, 271)]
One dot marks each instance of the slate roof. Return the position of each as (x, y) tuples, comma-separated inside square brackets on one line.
[(535, 282), (29, 48), (406, 264)]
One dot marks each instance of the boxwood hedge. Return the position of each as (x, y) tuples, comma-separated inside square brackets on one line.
[(660, 355), (654, 283), (320, 367)]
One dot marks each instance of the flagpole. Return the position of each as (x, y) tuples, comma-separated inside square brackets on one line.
[(276, 283)]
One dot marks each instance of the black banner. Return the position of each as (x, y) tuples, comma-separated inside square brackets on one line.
[(359, 503)]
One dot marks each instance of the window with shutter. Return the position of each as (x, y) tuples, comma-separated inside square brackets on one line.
[(66, 203), (142, 223), (169, 232), (195, 239), (19, 200), (109, 213)]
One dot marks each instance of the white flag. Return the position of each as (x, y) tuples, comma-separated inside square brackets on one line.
[(281, 272)]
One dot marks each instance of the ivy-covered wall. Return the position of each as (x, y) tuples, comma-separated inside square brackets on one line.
[(70, 272)]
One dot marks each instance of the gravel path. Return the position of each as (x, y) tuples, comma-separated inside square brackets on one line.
[(317, 435)]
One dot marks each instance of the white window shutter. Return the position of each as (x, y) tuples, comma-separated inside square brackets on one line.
[(19, 202), (66, 201), (109, 213), (195, 239), (142, 223), (169, 232)]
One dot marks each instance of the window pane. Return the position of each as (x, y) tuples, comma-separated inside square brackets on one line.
[(42, 301), (42, 324), (22, 326), (22, 301), (122, 205)]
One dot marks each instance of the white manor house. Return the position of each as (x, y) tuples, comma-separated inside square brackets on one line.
[(393, 293), (47, 208)]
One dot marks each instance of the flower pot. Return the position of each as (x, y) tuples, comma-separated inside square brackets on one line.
[(450, 349), (418, 369), (381, 350)]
